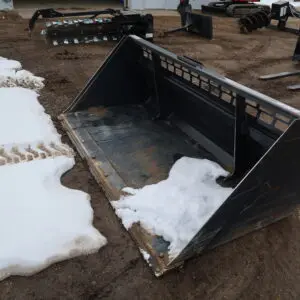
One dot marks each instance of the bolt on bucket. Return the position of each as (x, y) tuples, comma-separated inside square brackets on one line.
[(146, 109)]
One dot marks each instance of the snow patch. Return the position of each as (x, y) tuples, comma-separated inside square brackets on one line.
[(23, 78), (178, 207), (23, 119), (9, 64), (11, 75), (128, 190), (145, 254), (41, 221)]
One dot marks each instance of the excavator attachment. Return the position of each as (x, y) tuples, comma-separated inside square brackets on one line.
[(97, 26), (196, 24), (146, 105), (234, 8), (193, 23)]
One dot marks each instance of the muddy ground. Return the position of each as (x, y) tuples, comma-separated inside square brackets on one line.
[(261, 265)]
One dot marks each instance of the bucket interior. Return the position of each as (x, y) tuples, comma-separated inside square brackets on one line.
[(146, 107), (140, 149), (160, 103)]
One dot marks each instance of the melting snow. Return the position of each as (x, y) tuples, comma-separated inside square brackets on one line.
[(11, 75), (23, 119), (176, 208), (146, 255), (41, 221), (9, 64)]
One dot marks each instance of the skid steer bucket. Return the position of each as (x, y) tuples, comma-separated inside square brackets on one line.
[(165, 104)]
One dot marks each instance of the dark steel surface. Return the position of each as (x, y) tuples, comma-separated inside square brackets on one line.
[(269, 190), (151, 83), (201, 25), (167, 107), (225, 82), (134, 43), (141, 150), (296, 55)]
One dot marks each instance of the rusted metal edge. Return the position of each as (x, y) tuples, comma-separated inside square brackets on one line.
[(105, 174)]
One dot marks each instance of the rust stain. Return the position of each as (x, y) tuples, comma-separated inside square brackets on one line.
[(98, 111), (275, 188), (110, 191), (146, 158), (144, 239)]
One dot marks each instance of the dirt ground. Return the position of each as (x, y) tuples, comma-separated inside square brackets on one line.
[(261, 265)]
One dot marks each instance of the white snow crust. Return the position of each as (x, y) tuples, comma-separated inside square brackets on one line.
[(23, 118), (12, 75), (178, 207), (146, 255), (9, 64), (41, 221)]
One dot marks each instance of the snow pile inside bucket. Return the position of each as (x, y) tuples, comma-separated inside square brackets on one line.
[(178, 207)]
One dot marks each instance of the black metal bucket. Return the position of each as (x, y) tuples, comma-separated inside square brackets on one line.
[(146, 98), (296, 55)]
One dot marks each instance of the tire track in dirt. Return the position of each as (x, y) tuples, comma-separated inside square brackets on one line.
[(251, 57)]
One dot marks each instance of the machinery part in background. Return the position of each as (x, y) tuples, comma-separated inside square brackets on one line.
[(294, 87), (112, 27), (235, 8), (254, 21), (50, 13), (184, 8), (193, 23), (173, 105), (280, 12), (296, 55)]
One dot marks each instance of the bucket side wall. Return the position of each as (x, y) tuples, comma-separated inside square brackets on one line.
[(119, 81), (269, 192)]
